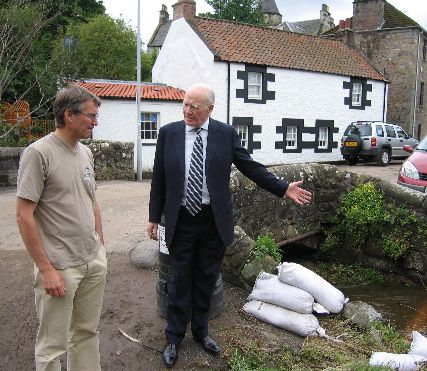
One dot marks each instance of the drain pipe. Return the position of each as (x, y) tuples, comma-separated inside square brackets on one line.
[(416, 85), (228, 93), (300, 237)]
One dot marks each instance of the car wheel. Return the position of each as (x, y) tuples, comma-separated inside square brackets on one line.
[(351, 160), (384, 157)]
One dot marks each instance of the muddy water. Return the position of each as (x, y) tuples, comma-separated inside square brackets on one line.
[(404, 307)]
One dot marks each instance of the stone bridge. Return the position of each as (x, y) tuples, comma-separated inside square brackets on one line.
[(257, 212)]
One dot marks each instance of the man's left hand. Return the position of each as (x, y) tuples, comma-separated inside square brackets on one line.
[(298, 195)]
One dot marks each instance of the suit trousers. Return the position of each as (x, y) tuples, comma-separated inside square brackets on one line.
[(196, 255), (70, 323)]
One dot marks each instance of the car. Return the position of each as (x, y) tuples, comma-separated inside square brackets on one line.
[(413, 173), (374, 141)]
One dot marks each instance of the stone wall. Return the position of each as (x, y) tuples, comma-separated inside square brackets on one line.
[(113, 160), (258, 212), (9, 162)]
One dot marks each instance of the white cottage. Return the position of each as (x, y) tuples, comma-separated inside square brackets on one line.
[(290, 96), (160, 104)]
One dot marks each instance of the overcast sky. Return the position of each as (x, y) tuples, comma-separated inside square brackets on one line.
[(291, 11)]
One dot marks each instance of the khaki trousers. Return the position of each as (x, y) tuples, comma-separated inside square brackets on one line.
[(70, 323)]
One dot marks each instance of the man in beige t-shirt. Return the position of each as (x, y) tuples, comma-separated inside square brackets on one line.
[(60, 223)]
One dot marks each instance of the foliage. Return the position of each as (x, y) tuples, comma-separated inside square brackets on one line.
[(352, 354), (102, 48), (246, 11), (349, 274), (29, 29), (363, 215), (266, 245)]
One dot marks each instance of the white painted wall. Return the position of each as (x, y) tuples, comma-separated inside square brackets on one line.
[(117, 120), (184, 59)]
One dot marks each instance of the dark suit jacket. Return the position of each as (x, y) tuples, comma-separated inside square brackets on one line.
[(223, 149)]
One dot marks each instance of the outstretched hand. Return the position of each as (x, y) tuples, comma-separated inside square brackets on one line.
[(298, 195)]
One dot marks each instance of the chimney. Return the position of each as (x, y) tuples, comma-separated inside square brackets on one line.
[(348, 23), (326, 21), (184, 9), (164, 15), (342, 24), (368, 14)]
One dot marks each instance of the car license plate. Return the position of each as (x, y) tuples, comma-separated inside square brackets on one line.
[(351, 144)]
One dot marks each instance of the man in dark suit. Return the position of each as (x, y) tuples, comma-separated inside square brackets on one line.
[(190, 186)]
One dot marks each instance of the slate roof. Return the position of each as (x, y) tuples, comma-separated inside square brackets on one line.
[(269, 6), (127, 90), (244, 43), (159, 35), (394, 18), (311, 27)]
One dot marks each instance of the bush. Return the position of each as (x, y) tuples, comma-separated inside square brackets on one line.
[(266, 245)]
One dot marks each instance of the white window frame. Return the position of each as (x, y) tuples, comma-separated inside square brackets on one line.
[(356, 94), (291, 137), (255, 85), (143, 130), (323, 137), (243, 131)]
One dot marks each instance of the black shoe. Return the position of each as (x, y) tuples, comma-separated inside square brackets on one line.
[(170, 355), (209, 344)]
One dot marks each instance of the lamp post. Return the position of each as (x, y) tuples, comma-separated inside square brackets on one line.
[(138, 98)]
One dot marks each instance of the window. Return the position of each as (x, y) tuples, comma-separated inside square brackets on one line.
[(243, 131), (401, 134), (421, 94), (390, 131), (149, 125), (254, 85), (425, 49), (356, 94), (291, 137), (380, 131), (323, 138)]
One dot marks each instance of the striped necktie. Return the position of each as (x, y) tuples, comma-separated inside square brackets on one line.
[(193, 201)]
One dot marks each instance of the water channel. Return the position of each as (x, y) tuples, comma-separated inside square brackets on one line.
[(404, 307)]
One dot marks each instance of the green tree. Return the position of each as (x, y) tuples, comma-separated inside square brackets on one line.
[(247, 11), (102, 48)]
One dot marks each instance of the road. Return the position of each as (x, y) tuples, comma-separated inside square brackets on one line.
[(124, 207)]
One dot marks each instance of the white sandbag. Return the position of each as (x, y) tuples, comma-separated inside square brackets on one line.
[(323, 292), (418, 345), (269, 289), (300, 324), (400, 362)]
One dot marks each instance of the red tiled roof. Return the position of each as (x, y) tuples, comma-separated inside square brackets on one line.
[(244, 43), (127, 90)]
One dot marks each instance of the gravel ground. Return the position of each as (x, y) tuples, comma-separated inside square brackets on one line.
[(130, 297)]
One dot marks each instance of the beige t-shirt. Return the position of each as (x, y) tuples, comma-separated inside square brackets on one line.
[(60, 179)]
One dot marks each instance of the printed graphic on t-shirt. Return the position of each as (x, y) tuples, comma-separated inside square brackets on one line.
[(89, 181)]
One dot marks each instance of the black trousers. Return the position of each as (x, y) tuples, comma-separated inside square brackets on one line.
[(196, 254)]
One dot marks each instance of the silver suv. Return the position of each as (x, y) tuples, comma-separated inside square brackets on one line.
[(374, 141)]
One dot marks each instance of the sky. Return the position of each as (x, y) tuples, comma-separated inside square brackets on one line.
[(295, 10)]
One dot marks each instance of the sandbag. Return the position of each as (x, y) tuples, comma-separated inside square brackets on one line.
[(300, 324), (400, 362), (269, 289), (418, 345), (323, 292)]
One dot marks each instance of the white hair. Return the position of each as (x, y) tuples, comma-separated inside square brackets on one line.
[(210, 95)]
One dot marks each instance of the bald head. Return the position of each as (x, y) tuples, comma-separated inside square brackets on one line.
[(198, 104)]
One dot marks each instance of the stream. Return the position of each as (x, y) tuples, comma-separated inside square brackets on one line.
[(405, 307)]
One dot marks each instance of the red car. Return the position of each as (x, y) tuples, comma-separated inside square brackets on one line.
[(413, 173)]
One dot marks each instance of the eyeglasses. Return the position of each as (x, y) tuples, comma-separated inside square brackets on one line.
[(91, 116)]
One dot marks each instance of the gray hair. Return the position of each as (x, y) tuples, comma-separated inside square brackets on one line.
[(210, 95), (71, 98)]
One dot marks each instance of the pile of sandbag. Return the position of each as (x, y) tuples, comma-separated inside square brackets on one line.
[(416, 356), (288, 300)]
